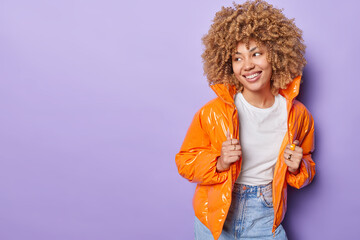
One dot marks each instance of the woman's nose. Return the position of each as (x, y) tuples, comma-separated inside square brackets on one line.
[(248, 64)]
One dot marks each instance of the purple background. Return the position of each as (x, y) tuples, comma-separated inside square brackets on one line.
[(96, 98)]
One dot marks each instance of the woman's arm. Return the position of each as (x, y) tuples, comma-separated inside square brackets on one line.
[(197, 159), (307, 166)]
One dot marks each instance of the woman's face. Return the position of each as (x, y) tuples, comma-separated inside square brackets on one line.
[(252, 68)]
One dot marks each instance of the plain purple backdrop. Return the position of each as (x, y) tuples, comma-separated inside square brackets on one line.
[(96, 98)]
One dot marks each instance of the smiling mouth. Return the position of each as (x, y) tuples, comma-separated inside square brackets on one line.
[(252, 77)]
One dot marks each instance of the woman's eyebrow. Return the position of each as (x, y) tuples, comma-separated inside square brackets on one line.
[(251, 50)]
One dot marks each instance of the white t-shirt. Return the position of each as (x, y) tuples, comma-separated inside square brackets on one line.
[(262, 131)]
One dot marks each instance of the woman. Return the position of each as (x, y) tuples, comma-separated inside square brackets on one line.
[(244, 147)]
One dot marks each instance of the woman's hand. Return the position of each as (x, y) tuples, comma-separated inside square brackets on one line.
[(292, 157), (230, 153)]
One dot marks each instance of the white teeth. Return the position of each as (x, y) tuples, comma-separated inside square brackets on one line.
[(252, 76)]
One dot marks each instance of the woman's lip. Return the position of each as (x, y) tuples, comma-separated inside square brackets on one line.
[(253, 79)]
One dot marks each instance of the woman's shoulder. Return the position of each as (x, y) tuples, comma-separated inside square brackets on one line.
[(215, 105), (300, 110), (299, 105)]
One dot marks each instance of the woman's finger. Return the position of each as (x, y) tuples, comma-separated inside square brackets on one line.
[(230, 142), (288, 151), (233, 153), (287, 156), (291, 164)]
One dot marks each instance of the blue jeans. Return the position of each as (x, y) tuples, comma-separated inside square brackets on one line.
[(250, 216)]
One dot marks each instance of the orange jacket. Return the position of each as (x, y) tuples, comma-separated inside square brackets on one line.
[(197, 158)]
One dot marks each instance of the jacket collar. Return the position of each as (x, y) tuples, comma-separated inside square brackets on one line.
[(226, 92), (292, 89)]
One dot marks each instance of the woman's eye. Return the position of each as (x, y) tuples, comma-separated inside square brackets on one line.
[(257, 54), (237, 59)]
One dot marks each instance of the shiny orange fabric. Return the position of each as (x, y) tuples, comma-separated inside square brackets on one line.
[(198, 155)]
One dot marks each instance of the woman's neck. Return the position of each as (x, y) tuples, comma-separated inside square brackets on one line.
[(261, 99)]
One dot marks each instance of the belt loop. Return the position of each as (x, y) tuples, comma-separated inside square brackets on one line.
[(258, 191)]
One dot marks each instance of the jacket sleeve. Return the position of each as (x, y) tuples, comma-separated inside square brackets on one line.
[(197, 158), (307, 165)]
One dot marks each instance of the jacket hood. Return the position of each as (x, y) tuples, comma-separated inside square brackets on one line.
[(226, 92)]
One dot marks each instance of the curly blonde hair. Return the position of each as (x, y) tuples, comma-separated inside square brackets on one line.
[(259, 21)]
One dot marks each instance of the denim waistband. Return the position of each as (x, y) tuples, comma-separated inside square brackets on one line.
[(248, 189)]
